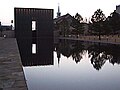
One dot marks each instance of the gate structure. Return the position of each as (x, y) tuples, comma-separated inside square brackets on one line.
[(34, 30), (33, 22)]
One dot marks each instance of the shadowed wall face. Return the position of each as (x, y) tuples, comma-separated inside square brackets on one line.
[(34, 28)]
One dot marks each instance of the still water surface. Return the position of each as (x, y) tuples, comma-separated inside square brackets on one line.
[(73, 65)]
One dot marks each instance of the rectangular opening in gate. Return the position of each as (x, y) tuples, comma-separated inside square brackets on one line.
[(33, 48), (33, 25)]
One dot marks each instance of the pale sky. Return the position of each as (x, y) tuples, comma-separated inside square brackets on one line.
[(84, 7)]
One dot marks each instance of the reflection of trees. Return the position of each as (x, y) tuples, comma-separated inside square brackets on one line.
[(65, 48), (103, 52), (70, 48), (77, 57), (77, 51), (98, 60), (114, 50), (100, 52), (99, 55)]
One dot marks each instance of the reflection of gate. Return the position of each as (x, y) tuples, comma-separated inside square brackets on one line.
[(42, 20)]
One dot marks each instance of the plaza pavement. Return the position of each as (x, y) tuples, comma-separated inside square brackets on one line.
[(11, 71)]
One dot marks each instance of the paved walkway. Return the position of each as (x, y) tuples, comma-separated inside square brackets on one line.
[(111, 40), (11, 72)]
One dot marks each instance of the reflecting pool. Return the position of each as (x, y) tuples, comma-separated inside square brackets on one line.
[(71, 65)]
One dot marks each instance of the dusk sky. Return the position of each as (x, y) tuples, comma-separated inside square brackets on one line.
[(84, 7)]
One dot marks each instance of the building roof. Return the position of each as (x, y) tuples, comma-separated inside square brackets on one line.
[(59, 19)]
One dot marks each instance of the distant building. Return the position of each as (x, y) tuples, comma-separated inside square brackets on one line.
[(6, 30), (118, 9), (62, 25), (5, 27)]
